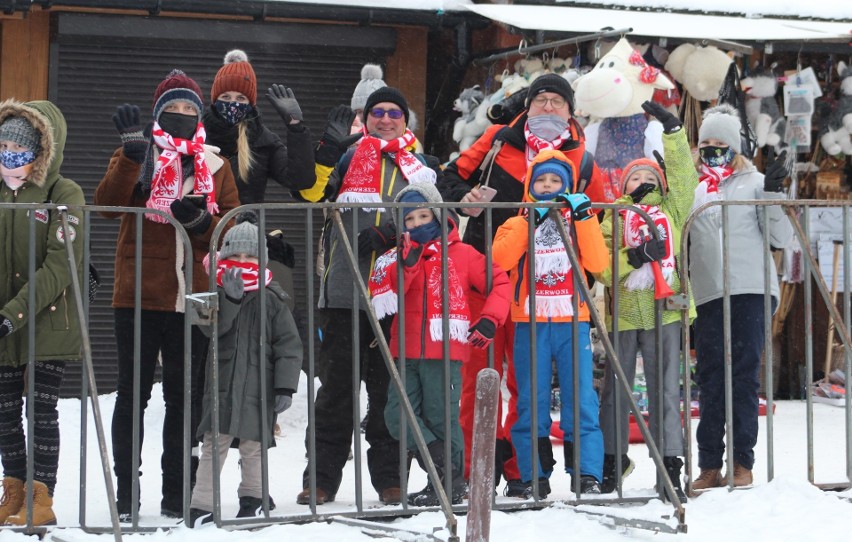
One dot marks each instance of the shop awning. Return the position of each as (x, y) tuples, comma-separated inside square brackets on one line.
[(662, 24)]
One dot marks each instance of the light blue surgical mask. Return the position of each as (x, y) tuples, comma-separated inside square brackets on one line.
[(547, 127)]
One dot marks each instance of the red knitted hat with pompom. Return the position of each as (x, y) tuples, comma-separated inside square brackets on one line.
[(236, 75)]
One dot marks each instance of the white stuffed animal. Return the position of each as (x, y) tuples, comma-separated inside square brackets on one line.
[(701, 70), (466, 129), (838, 134), (762, 109), (614, 92)]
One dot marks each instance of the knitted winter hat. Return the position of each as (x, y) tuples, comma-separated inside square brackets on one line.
[(175, 87), (386, 94), (371, 81), (557, 167), (723, 123), (242, 238), (20, 131), (644, 164), (551, 82), (236, 75), (418, 193)]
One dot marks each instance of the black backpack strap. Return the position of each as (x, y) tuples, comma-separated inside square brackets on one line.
[(587, 167)]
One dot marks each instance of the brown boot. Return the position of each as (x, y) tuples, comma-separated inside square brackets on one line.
[(42, 509), (707, 479), (742, 476), (13, 497)]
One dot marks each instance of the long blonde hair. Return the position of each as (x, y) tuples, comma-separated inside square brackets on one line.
[(245, 158)]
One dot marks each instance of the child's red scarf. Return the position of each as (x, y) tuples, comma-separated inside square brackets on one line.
[(384, 296), (251, 272), (554, 285), (363, 179), (635, 233), (167, 183)]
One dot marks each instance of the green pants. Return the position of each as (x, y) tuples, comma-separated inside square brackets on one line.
[(424, 385)]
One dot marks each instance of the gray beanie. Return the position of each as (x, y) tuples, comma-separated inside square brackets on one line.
[(429, 193), (371, 80), (20, 131), (242, 238), (723, 123)]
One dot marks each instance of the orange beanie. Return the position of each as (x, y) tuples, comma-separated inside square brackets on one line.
[(236, 75)]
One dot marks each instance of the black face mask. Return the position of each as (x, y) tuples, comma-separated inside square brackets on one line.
[(177, 125)]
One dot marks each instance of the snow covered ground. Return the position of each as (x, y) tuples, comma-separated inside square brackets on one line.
[(788, 508)]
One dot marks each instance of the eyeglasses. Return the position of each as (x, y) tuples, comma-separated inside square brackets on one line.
[(378, 113), (557, 102)]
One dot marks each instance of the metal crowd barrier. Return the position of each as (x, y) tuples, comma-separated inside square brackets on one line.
[(204, 302)]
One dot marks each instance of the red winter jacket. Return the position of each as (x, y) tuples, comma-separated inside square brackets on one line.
[(470, 269)]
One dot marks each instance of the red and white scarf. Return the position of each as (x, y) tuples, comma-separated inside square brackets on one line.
[(708, 186), (384, 296), (167, 183), (251, 273), (554, 285), (535, 144), (635, 233), (363, 179)]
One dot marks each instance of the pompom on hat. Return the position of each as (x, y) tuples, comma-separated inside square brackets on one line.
[(235, 75), (175, 87), (723, 123), (242, 238), (371, 81)]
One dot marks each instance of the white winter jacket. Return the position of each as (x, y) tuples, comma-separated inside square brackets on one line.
[(745, 240)]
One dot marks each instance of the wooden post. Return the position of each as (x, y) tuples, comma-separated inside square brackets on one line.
[(24, 62)]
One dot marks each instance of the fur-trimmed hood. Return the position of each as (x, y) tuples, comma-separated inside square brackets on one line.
[(48, 121)]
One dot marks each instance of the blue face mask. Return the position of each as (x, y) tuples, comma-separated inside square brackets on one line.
[(232, 112), (716, 156), (14, 160), (425, 232)]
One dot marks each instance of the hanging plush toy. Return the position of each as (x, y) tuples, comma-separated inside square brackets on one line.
[(614, 92), (467, 128), (762, 108), (837, 136)]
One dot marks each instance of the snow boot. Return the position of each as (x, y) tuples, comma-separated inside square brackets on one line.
[(589, 485), (543, 489), (673, 466), (708, 478), (13, 497), (42, 508), (608, 484), (428, 496), (199, 517), (253, 507)]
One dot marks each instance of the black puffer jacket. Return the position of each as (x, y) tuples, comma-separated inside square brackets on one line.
[(290, 164)]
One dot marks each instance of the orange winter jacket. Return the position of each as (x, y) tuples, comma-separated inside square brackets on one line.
[(511, 244)]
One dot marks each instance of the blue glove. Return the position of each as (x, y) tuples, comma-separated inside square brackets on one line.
[(581, 206)]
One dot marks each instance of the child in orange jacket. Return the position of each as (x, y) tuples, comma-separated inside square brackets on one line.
[(552, 177)]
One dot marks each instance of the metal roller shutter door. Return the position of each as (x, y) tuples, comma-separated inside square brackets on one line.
[(99, 62)]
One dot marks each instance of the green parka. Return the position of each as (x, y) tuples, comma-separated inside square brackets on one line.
[(57, 335), (636, 307)]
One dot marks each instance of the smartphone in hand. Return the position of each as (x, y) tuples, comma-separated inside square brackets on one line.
[(486, 194)]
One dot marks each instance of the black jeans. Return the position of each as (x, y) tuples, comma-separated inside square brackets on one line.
[(333, 406), (161, 335), (747, 320)]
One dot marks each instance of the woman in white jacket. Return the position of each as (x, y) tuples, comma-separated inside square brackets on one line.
[(725, 174)]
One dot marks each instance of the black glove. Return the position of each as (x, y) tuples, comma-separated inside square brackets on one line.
[(671, 123), (280, 250), (776, 172), (6, 327), (641, 191), (284, 102), (376, 238), (652, 250), (410, 252), (283, 401), (193, 218), (336, 138), (482, 332), (233, 285), (126, 120)]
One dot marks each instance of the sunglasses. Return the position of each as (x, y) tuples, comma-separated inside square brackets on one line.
[(378, 113)]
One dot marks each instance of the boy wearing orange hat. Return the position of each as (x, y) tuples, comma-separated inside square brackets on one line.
[(668, 202)]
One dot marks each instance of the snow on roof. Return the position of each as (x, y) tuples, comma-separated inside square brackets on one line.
[(822, 9), (561, 18), (419, 5)]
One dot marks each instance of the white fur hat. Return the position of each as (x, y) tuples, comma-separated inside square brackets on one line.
[(371, 80), (723, 123)]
